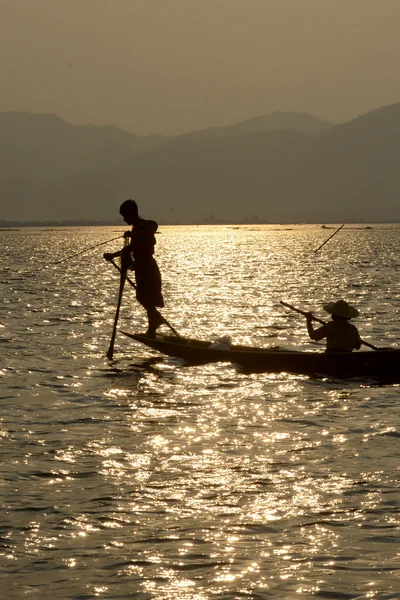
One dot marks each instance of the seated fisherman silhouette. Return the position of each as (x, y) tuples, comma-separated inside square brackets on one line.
[(341, 336)]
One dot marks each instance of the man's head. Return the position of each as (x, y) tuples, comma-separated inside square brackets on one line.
[(129, 211)]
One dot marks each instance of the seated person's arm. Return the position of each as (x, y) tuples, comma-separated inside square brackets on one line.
[(358, 342), (315, 334)]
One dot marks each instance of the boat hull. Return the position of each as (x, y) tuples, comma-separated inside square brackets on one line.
[(383, 364)]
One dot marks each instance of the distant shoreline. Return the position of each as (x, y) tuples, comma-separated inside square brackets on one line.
[(9, 225)]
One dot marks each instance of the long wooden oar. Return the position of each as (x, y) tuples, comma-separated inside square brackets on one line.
[(122, 270), (305, 314), (129, 280), (329, 238), (85, 250)]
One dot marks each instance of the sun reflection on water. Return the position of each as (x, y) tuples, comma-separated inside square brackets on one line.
[(149, 478)]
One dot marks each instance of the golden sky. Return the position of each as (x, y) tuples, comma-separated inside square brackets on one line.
[(171, 66)]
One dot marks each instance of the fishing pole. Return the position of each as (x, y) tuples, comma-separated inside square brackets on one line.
[(86, 250), (329, 238), (122, 270)]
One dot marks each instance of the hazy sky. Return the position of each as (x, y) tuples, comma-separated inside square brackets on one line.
[(171, 66)]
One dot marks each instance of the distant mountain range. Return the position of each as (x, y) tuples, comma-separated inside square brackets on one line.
[(46, 146), (276, 121), (282, 167)]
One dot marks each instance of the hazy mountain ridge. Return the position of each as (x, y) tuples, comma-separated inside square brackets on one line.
[(347, 172), (276, 121), (46, 146)]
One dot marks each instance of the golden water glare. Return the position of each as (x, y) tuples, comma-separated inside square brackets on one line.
[(172, 482)]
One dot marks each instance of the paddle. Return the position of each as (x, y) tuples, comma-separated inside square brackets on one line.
[(305, 314), (85, 250), (122, 271), (329, 238), (134, 287)]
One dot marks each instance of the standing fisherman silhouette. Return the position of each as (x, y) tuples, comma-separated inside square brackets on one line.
[(147, 273)]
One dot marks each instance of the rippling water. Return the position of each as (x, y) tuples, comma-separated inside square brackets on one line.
[(144, 478)]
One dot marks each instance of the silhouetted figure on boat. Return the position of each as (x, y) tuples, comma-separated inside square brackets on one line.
[(147, 273), (341, 336)]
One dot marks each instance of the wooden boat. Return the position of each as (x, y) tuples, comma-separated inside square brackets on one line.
[(382, 365)]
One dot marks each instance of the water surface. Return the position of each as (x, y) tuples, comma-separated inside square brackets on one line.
[(144, 478)]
